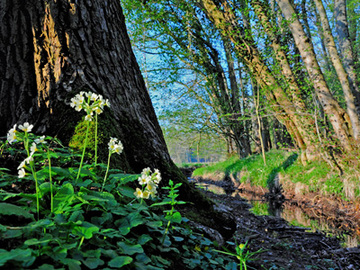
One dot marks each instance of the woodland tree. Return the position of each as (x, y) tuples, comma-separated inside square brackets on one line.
[(51, 50)]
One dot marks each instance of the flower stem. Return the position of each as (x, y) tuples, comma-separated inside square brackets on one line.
[(96, 137), (107, 171), (81, 242), (83, 153), (51, 185), (26, 145)]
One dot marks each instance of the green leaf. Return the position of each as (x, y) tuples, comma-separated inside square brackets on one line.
[(129, 249), (178, 239), (111, 233), (120, 261), (64, 198), (47, 267), (35, 241), (11, 209), (154, 224), (61, 173), (161, 203), (132, 220), (23, 255), (175, 217), (11, 234), (86, 230), (127, 191), (123, 178), (72, 264), (93, 263), (144, 238)]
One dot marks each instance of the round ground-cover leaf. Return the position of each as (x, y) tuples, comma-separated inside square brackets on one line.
[(95, 197), (46, 239), (130, 249), (8, 209), (127, 191), (158, 260), (93, 263), (11, 234), (48, 267), (123, 178), (130, 221), (111, 233), (154, 224), (143, 239), (120, 261), (20, 255), (72, 264), (64, 198), (61, 173), (143, 266), (86, 229)]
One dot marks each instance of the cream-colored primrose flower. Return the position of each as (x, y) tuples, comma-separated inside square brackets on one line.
[(22, 165), (146, 171), (29, 158), (94, 97), (40, 140), (98, 110), (22, 173), (138, 193), (33, 148), (151, 187), (11, 136), (144, 179), (26, 127), (156, 176), (146, 194), (115, 146), (88, 117)]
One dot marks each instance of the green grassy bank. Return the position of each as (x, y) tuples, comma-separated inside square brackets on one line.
[(316, 176)]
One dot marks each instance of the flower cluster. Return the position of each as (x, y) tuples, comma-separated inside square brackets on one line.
[(149, 181), (11, 135), (89, 102), (115, 146), (14, 135)]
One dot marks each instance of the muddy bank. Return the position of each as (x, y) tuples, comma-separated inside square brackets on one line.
[(344, 215), (283, 246)]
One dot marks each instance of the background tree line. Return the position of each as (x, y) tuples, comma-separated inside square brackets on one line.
[(256, 67)]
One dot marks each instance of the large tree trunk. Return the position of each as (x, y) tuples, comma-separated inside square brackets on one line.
[(51, 50)]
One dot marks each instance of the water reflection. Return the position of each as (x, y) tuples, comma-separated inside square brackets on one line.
[(291, 213)]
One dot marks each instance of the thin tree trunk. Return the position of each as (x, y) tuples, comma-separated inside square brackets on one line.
[(338, 117), (342, 75), (306, 126), (346, 48), (244, 47)]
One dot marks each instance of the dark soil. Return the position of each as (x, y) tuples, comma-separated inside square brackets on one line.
[(283, 246)]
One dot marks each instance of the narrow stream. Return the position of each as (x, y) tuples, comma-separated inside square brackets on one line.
[(292, 214)]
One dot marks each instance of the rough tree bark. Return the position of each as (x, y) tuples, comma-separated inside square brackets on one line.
[(51, 50)]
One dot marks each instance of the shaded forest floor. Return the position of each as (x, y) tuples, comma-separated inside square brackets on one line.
[(283, 246)]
